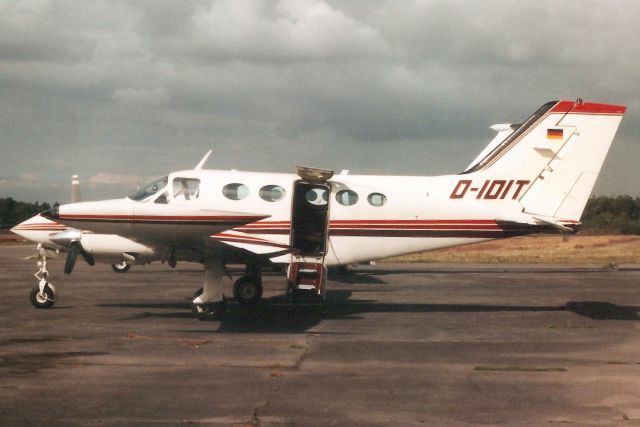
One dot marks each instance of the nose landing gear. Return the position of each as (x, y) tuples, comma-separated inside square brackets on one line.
[(44, 294)]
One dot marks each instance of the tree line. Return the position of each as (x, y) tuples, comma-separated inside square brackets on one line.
[(603, 214), (13, 212), (617, 215)]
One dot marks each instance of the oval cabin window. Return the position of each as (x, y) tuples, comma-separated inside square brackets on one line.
[(272, 193), (347, 197), (377, 199), (235, 191), (317, 196)]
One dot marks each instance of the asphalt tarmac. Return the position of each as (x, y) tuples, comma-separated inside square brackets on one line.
[(426, 344)]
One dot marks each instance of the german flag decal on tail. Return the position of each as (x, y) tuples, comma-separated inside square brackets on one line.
[(555, 133)]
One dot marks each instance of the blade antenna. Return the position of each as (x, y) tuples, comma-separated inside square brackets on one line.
[(202, 162)]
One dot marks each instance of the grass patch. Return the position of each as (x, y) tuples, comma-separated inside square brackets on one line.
[(607, 251)]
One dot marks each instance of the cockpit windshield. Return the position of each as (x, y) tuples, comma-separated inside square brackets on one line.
[(149, 190)]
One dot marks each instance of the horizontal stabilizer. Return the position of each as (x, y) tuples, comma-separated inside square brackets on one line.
[(538, 224), (562, 226), (255, 245)]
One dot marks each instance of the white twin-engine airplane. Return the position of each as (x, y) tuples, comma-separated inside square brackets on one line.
[(532, 177)]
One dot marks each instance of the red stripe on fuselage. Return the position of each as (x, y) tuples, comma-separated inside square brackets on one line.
[(186, 220)]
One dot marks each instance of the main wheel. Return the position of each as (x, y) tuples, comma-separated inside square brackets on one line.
[(247, 290), (44, 299), (121, 267)]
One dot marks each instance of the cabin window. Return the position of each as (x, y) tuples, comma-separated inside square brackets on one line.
[(317, 196), (377, 199), (235, 191), (186, 188), (347, 197), (272, 193)]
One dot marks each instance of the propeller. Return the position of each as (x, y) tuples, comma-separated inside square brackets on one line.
[(71, 239), (76, 248), (71, 258)]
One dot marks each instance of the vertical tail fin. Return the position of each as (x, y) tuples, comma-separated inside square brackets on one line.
[(559, 150)]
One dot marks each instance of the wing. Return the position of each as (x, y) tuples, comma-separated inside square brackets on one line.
[(149, 220), (255, 245)]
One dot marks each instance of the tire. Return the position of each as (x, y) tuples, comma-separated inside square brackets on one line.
[(247, 290), (46, 299), (122, 267)]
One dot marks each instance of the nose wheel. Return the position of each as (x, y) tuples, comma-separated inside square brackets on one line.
[(45, 297)]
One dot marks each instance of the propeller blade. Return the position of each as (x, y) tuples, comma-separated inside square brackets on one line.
[(87, 256), (71, 258)]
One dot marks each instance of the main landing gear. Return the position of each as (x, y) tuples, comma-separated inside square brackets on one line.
[(208, 301), (247, 290), (121, 267), (43, 295), (207, 311)]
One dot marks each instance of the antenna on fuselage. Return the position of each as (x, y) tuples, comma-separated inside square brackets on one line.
[(75, 189), (202, 162)]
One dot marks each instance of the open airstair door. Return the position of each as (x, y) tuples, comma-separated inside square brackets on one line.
[(307, 273)]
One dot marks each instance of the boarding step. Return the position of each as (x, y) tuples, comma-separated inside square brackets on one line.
[(307, 276)]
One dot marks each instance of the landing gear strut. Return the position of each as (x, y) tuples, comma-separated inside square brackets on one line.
[(44, 294), (208, 302)]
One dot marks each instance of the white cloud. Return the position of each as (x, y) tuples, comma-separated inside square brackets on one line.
[(28, 181), (148, 97), (104, 178), (289, 29)]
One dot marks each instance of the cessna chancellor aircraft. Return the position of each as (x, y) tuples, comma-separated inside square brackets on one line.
[(533, 177)]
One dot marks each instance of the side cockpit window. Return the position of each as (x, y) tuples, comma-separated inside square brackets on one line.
[(186, 188), (149, 190), (161, 199)]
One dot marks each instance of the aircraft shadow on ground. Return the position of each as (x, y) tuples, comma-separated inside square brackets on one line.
[(278, 315), (353, 277), (282, 317), (600, 310), (381, 271)]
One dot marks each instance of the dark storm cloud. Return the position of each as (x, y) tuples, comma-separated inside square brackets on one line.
[(121, 91)]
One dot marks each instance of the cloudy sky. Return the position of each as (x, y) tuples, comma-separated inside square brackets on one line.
[(124, 91)]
